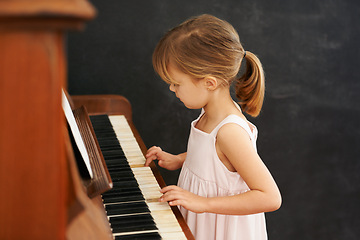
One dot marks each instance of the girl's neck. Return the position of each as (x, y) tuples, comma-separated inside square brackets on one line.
[(220, 105)]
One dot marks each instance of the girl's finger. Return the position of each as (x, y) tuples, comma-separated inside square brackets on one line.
[(151, 152), (154, 148), (149, 159), (175, 203)]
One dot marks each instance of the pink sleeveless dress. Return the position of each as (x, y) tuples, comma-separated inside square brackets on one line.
[(204, 174)]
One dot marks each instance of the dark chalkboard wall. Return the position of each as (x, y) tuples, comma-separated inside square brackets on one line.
[(309, 126)]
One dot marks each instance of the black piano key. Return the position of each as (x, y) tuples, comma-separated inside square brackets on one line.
[(133, 228), (140, 236), (109, 147), (118, 152), (106, 135), (109, 144), (122, 161), (122, 192), (116, 158), (132, 223), (118, 169), (125, 184), (126, 208), (121, 199), (122, 176), (102, 128), (129, 196), (123, 195), (118, 163), (116, 178), (113, 153)]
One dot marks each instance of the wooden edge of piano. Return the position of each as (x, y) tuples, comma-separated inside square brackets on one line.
[(118, 105)]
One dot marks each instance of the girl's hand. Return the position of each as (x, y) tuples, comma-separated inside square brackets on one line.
[(178, 196), (166, 160)]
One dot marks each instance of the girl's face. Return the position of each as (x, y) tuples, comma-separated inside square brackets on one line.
[(193, 93)]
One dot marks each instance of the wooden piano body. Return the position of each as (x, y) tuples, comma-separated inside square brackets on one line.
[(42, 196)]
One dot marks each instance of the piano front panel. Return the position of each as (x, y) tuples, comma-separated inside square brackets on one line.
[(132, 206)]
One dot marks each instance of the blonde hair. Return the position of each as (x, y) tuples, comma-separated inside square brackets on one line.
[(207, 46)]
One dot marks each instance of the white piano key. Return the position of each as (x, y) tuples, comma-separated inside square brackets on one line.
[(166, 221)]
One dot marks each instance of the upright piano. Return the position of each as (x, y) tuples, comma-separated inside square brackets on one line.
[(44, 193)]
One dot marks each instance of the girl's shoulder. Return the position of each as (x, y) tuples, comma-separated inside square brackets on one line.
[(236, 122)]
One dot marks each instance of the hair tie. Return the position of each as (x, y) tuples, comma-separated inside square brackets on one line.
[(244, 54)]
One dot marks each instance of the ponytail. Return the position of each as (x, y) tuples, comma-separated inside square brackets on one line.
[(250, 87)]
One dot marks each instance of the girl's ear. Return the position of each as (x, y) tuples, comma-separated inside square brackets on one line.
[(211, 83)]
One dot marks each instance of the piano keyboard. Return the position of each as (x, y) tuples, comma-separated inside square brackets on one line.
[(132, 206)]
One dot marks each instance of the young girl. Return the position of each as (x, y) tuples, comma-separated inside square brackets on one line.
[(224, 188)]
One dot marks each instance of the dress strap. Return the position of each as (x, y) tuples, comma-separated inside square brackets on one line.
[(237, 120)]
